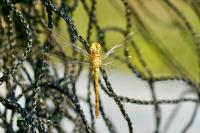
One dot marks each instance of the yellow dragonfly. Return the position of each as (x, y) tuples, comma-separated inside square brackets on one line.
[(95, 59)]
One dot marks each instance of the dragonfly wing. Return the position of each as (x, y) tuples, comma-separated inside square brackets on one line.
[(106, 64), (128, 38), (67, 59), (111, 50), (77, 48), (80, 62)]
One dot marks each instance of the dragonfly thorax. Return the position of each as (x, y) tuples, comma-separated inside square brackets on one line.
[(95, 47), (95, 57)]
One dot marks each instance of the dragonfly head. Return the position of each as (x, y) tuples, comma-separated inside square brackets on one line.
[(95, 47)]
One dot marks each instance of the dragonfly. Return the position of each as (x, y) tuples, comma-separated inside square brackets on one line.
[(95, 59)]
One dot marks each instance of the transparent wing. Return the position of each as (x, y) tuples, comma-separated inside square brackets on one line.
[(80, 62), (71, 60), (111, 50), (77, 48), (106, 64), (128, 38)]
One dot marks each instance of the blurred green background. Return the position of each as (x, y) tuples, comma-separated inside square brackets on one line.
[(163, 39)]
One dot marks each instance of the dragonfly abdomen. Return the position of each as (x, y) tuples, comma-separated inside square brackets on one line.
[(96, 86)]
